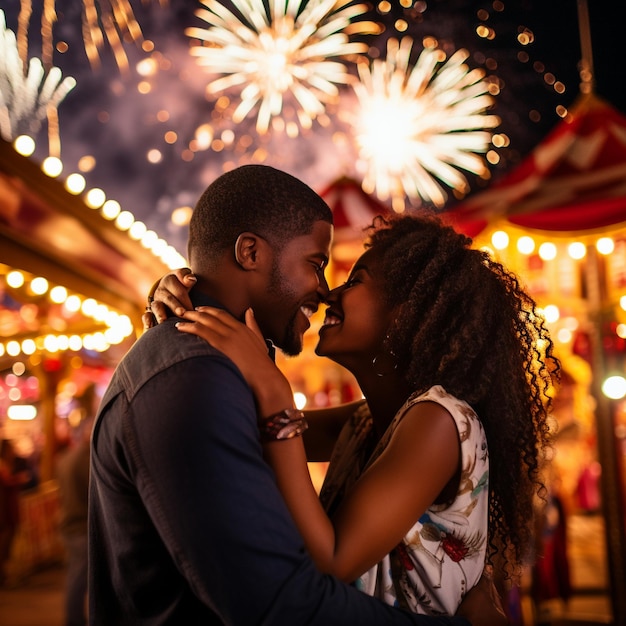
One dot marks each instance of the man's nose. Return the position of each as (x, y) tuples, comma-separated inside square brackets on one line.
[(322, 287), (332, 295)]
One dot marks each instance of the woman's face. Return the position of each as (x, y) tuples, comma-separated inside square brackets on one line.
[(357, 318)]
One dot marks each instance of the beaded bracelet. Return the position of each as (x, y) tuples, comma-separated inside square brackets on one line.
[(283, 425)]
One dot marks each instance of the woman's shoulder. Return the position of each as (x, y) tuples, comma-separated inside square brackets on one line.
[(461, 411), (438, 394)]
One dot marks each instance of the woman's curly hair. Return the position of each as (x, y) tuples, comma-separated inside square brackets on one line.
[(465, 322)]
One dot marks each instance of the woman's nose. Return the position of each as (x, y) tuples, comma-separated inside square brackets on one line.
[(333, 295)]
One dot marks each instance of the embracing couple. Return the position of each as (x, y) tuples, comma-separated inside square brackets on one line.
[(202, 510)]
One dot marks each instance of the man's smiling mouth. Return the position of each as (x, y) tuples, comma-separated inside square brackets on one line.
[(308, 310)]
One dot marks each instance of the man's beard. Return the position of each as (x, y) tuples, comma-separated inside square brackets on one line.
[(290, 343)]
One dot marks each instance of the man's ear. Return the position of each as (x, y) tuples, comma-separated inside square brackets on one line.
[(250, 250)]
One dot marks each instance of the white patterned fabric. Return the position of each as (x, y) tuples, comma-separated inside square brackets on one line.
[(443, 554)]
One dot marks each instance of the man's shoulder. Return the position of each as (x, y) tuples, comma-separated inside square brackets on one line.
[(159, 349), (166, 344)]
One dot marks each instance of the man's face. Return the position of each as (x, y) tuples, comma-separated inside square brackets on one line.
[(295, 288)]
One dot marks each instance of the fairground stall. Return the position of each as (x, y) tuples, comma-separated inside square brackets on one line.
[(74, 274), (559, 221)]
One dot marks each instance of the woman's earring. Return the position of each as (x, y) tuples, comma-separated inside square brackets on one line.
[(384, 364)]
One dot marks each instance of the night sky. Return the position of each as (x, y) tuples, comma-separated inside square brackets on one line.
[(106, 117)]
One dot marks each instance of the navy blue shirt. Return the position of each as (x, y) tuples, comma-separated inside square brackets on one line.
[(186, 523)]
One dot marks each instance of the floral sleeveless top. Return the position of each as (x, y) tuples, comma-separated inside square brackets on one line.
[(443, 554)]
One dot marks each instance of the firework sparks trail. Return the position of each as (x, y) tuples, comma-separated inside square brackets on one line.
[(25, 97), (419, 125), (279, 53), (108, 21)]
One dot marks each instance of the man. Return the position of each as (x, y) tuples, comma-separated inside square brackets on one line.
[(186, 523)]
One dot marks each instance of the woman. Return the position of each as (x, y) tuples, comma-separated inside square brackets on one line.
[(450, 355)]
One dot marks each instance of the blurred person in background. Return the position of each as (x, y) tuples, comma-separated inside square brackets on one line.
[(73, 479), (13, 479)]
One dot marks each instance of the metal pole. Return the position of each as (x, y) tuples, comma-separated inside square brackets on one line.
[(587, 79), (611, 489)]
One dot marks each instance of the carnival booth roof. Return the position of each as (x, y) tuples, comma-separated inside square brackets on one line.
[(46, 231), (574, 180), (353, 211)]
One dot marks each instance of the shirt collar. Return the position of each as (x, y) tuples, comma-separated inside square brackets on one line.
[(202, 299)]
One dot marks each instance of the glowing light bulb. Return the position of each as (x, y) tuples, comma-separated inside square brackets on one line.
[(605, 245), (577, 250), (547, 251), (500, 240)]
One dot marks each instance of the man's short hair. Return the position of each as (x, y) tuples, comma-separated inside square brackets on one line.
[(255, 198)]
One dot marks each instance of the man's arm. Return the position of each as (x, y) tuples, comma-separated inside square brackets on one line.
[(482, 605)]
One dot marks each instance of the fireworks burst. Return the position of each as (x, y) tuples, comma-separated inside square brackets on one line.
[(278, 53), (25, 98), (422, 124), (112, 22)]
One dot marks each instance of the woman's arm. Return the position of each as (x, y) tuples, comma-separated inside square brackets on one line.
[(421, 458)]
